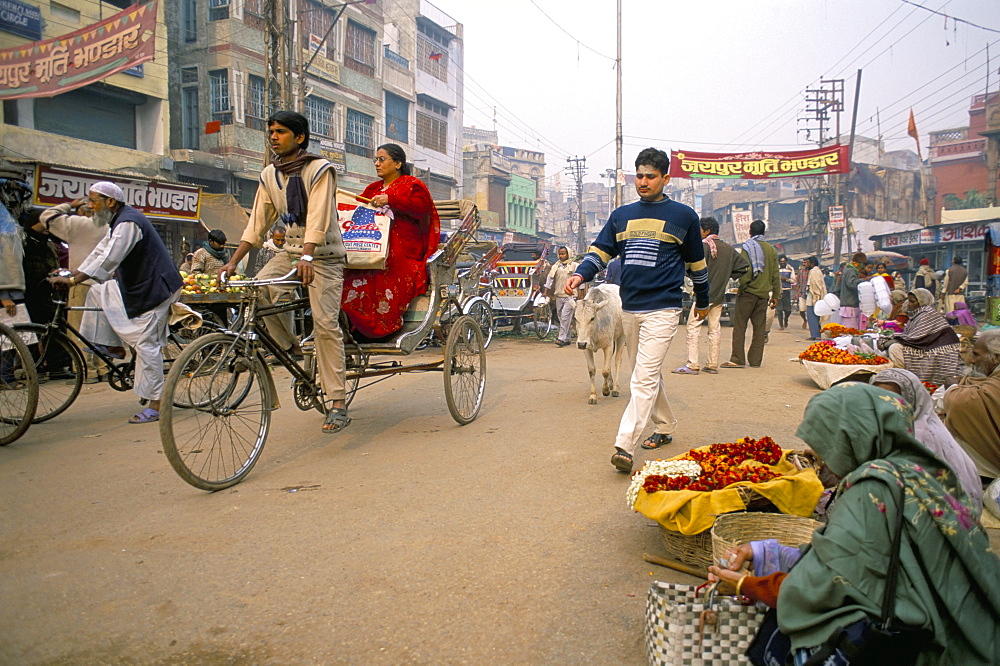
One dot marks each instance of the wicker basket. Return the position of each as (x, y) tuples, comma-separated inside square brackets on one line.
[(736, 529), (694, 550)]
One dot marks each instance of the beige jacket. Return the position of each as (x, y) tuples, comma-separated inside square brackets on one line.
[(558, 274), (322, 225), (816, 289)]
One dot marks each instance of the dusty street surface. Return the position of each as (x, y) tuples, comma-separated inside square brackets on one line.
[(408, 539)]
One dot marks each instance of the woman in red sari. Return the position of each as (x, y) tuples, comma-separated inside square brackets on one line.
[(375, 300)]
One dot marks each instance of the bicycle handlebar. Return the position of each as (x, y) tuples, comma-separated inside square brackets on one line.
[(258, 283)]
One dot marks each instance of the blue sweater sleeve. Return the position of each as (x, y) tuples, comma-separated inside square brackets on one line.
[(604, 249), (693, 252)]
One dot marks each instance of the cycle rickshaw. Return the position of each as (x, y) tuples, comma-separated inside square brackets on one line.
[(217, 400)]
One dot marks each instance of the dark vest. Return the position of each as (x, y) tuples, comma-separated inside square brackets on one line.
[(147, 276)]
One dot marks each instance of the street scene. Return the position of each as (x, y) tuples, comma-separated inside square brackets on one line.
[(420, 332)]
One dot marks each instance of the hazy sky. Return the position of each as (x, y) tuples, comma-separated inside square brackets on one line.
[(716, 75)]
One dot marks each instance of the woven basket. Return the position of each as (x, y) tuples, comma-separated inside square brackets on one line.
[(736, 529), (694, 550)]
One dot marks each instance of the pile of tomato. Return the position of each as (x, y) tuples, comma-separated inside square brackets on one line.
[(744, 460), (826, 351)]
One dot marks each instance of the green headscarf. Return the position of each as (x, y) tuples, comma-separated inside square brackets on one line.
[(949, 579)]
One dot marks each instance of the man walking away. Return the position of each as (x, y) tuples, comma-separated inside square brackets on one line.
[(657, 239), (956, 280), (136, 284), (815, 291), (565, 300), (850, 301), (724, 263), (759, 289), (787, 276)]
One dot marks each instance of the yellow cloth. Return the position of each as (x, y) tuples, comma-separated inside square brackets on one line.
[(690, 512)]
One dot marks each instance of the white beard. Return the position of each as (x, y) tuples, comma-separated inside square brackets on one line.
[(103, 218)]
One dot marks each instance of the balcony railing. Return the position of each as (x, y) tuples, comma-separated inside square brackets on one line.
[(396, 59)]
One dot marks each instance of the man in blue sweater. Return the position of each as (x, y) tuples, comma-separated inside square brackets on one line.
[(657, 240)]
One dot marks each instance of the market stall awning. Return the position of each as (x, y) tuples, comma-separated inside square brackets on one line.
[(222, 211)]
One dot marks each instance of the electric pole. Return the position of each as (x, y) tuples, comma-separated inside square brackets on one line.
[(619, 176), (820, 103), (577, 168), (278, 60)]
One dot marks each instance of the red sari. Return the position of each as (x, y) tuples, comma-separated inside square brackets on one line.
[(375, 300)]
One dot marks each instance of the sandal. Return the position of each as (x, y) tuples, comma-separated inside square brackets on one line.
[(656, 440), (336, 420), (110, 353), (147, 415), (730, 364), (622, 461)]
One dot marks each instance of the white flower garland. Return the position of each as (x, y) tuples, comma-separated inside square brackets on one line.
[(672, 468)]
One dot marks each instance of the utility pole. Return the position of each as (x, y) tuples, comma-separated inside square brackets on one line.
[(577, 168), (278, 58), (820, 102), (619, 140)]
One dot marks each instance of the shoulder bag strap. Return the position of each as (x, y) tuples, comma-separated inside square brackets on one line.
[(889, 595)]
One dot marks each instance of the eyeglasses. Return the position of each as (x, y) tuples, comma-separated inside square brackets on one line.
[(379, 159)]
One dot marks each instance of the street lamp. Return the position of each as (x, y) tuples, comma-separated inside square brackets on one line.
[(610, 175)]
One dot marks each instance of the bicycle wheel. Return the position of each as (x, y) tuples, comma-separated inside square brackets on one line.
[(216, 442), (18, 386), (464, 370), (542, 317), (482, 313), (57, 387)]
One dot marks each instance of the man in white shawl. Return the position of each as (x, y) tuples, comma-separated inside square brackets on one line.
[(930, 430)]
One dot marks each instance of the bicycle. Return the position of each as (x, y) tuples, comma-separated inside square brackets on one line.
[(18, 386), (54, 349), (215, 412)]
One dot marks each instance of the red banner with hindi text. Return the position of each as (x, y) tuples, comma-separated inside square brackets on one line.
[(818, 162), (53, 66)]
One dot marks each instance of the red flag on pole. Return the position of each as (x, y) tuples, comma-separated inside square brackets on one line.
[(911, 129), (435, 55)]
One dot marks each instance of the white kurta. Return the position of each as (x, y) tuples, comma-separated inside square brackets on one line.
[(145, 333)]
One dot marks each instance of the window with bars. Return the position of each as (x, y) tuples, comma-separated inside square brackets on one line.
[(359, 49), (189, 20), (316, 21), (218, 10), (255, 7), (256, 103), (189, 118), (432, 124), (397, 118), (358, 139), (320, 115), (218, 91)]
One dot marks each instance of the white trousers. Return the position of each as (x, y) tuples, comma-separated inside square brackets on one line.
[(714, 337), (565, 306), (146, 334), (649, 333)]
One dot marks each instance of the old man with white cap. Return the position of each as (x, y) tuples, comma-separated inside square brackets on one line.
[(136, 284)]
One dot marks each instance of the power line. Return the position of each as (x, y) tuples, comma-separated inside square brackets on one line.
[(578, 42), (948, 16)]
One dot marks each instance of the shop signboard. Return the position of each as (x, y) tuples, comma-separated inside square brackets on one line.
[(837, 220), (56, 185), (741, 225), (956, 233), (336, 153), (53, 66), (760, 165)]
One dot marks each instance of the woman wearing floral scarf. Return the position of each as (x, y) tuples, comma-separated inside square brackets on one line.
[(949, 578)]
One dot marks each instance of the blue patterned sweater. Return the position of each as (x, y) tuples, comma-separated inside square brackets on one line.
[(657, 242)]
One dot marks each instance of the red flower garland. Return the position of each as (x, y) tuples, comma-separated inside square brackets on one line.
[(722, 465)]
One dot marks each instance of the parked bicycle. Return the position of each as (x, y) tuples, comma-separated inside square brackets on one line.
[(18, 386)]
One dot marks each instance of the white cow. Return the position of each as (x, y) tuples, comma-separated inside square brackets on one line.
[(599, 327)]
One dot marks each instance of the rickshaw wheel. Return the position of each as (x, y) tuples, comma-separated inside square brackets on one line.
[(464, 370), (483, 314), (543, 320)]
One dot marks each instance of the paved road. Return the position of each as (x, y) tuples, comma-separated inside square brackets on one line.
[(407, 539)]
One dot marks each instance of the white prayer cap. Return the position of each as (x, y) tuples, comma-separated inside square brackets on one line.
[(110, 190)]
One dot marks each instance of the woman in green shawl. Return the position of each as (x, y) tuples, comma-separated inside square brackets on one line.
[(949, 578)]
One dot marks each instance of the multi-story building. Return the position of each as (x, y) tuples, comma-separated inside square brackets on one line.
[(958, 159), (113, 128), (362, 73)]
